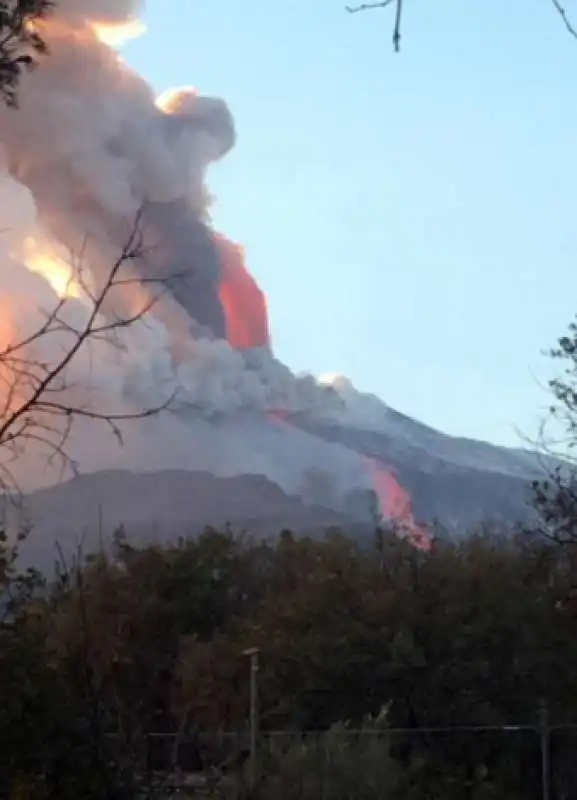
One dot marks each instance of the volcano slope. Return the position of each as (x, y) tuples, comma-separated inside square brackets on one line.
[(456, 482)]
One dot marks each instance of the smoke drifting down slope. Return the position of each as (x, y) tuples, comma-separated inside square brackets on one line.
[(89, 147)]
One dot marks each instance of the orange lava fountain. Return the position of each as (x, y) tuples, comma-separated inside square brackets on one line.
[(242, 300)]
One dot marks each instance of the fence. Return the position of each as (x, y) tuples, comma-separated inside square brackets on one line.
[(513, 761)]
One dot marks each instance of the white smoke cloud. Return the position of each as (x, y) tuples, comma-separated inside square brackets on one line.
[(214, 426), (63, 175), (356, 409)]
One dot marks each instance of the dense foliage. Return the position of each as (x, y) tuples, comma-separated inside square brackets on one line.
[(146, 641), (20, 42)]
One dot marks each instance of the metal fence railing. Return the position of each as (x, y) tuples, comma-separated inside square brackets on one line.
[(513, 761)]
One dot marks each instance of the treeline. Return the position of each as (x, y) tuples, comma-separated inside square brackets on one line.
[(477, 633)]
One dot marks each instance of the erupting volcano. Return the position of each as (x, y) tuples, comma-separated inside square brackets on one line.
[(89, 150)]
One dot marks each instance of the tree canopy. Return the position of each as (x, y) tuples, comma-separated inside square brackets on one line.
[(149, 641), (20, 42)]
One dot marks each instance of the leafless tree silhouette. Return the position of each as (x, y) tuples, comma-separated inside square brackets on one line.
[(39, 402), (397, 24)]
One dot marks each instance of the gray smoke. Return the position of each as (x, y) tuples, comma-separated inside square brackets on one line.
[(110, 11), (84, 151), (92, 147)]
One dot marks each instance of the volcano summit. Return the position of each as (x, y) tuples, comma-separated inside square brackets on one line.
[(90, 150)]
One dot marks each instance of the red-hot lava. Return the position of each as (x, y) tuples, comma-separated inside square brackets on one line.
[(394, 501), (395, 504), (243, 302), (247, 326)]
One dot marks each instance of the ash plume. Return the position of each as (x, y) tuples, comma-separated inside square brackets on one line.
[(88, 149), (92, 146)]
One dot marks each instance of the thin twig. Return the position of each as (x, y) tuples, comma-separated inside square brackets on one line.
[(384, 4), (566, 21), (397, 28), (570, 27), (39, 404), (368, 6)]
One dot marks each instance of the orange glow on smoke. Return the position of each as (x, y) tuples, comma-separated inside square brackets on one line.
[(243, 302), (395, 504), (117, 35), (16, 384), (171, 100), (7, 326), (57, 272)]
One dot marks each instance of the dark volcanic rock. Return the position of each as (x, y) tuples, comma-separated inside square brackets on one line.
[(159, 507), (456, 482)]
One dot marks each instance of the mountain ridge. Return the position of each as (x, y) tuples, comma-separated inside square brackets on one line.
[(452, 480)]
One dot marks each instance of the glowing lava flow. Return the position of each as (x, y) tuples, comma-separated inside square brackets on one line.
[(242, 300), (395, 504), (246, 319), (394, 501)]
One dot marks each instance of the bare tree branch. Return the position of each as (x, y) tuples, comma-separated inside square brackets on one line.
[(384, 4), (397, 28), (38, 402), (368, 6), (572, 29), (566, 21)]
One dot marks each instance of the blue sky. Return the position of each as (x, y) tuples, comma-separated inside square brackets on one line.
[(411, 217)]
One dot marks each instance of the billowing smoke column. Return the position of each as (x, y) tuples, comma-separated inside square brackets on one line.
[(88, 150), (237, 309), (93, 147)]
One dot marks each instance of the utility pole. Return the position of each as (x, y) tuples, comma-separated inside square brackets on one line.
[(545, 736), (252, 654)]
